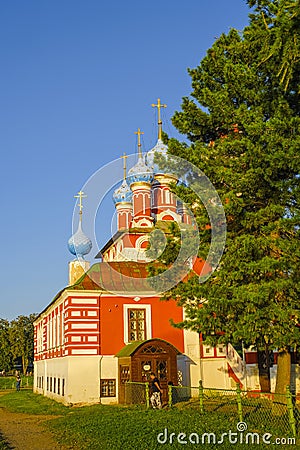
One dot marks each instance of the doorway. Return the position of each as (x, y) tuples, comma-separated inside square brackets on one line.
[(155, 355)]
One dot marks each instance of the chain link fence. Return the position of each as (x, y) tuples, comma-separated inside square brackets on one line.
[(136, 393), (256, 408)]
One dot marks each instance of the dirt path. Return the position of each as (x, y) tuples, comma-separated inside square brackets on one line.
[(25, 431)]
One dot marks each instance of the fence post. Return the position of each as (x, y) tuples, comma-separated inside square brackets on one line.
[(239, 401), (290, 408), (170, 392), (201, 396), (147, 395)]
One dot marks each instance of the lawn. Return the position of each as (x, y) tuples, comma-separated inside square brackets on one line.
[(132, 428)]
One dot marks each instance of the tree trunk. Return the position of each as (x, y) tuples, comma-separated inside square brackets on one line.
[(264, 369), (24, 363), (283, 379)]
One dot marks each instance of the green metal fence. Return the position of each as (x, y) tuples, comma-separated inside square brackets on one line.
[(9, 383), (255, 408)]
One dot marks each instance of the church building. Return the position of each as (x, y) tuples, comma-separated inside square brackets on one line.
[(109, 325)]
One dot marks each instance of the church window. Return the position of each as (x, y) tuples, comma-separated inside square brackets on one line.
[(167, 196), (221, 350), (124, 374), (50, 333), (63, 387), (108, 388), (63, 328), (137, 324), (58, 325), (54, 332), (58, 386), (208, 351), (40, 382)]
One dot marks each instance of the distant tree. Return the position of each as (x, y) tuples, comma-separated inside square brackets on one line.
[(5, 348), (21, 335)]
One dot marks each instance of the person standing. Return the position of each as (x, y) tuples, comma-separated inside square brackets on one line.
[(18, 382), (156, 392)]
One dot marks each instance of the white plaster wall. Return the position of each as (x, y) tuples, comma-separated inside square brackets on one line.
[(82, 377), (215, 374), (83, 383), (193, 365), (55, 368)]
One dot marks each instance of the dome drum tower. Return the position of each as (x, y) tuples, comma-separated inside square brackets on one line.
[(123, 201), (79, 245), (140, 178)]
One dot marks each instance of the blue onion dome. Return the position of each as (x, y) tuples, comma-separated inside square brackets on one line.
[(123, 193), (79, 244), (159, 149), (140, 172)]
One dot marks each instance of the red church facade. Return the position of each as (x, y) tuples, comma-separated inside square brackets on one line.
[(110, 326)]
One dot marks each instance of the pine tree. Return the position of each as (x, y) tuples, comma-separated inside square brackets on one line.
[(242, 121)]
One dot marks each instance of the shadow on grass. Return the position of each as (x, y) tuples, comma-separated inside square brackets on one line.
[(4, 444)]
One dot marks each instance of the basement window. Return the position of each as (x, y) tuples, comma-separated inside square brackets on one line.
[(108, 388)]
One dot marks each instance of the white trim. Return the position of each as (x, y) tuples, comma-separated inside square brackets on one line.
[(126, 307), (83, 325), (167, 196), (86, 301), (166, 212), (84, 351), (140, 241)]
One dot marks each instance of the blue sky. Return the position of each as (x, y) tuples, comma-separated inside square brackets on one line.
[(77, 79)]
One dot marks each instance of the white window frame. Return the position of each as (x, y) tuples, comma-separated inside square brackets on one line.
[(126, 307)]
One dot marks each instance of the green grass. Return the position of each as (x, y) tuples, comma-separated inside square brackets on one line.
[(3, 445), (131, 428), (27, 402)]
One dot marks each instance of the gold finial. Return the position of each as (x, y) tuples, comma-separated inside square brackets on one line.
[(159, 106), (80, 195), (139, 132), (124, 157)]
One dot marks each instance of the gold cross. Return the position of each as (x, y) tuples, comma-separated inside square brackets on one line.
[(159, 106), (80, 195), (139, 132), (124, 157)]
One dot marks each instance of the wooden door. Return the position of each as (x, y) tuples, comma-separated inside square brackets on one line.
[(160, 365), (124, 376)]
